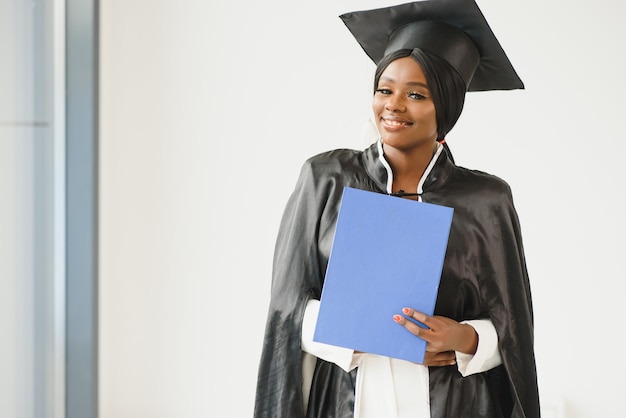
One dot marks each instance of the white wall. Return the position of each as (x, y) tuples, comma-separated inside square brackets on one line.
[(208, 110)]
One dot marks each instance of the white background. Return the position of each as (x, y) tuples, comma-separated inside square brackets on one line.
[(208, 110)]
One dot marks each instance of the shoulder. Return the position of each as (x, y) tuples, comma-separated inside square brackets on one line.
[(323, 176), (333, 161), (488, 187), (483, 178), (334, 157)]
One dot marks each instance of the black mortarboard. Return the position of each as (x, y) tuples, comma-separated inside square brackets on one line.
[(454, 30)]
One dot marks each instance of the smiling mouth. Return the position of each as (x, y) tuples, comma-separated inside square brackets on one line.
[(391, 123)]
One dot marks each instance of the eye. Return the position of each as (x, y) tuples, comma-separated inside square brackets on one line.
[(415, 95), (383, 91)]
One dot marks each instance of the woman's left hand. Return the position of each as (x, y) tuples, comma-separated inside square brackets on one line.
[(443, 334)]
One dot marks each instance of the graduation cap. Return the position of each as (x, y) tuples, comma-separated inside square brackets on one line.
[(454, 30)]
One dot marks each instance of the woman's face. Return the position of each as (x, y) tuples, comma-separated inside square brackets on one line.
[(403, 107)]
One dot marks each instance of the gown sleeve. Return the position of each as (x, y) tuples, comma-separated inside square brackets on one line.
[(297, 276), (510, 305), (487, 279)]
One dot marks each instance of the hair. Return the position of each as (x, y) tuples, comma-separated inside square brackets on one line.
[(446, 86)]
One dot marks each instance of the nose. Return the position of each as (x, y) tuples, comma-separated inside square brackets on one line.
[(395, 103)]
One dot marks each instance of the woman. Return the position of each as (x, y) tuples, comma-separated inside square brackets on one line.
[(480, 360)]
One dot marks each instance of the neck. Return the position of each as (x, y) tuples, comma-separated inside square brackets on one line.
[(409, 167)]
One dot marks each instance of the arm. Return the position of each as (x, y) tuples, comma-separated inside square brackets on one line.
[(475, 343), (487, 355)]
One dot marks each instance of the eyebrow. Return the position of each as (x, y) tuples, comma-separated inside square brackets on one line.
[(410, 83)]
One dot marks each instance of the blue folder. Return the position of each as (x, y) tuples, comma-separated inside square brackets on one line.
[(387, 253)]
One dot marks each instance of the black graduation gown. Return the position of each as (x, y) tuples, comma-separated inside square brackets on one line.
[(484, 276)]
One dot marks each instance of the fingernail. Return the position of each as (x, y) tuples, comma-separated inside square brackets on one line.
[(406, 311), (397, 318)]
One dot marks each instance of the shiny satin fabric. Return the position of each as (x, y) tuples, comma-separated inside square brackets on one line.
[(484, 276)]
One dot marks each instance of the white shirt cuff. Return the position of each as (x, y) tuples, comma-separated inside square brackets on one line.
[(487, 354), (342, 357)]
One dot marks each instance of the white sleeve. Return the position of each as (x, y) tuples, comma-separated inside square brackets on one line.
[(487, 354), (342, 357)]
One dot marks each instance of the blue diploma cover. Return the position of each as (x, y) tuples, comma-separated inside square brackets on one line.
[(387, 253)]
